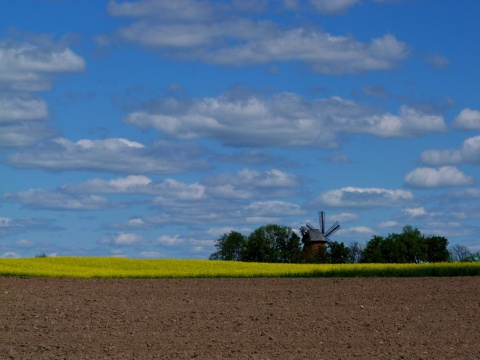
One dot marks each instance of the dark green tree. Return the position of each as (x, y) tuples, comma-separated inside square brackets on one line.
[(272, 243), (339, 253), (229, 247), (322, 256), (372, 253), (436, 249), (410, 246)]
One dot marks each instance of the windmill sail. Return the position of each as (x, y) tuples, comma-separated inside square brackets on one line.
[(321, 219), (332, 229)]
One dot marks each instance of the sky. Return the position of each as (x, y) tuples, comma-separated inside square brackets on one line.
[(149, 128)]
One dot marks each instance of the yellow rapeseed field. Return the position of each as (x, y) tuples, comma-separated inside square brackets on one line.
[(110, 267)]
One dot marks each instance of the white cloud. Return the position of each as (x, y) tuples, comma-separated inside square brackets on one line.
[(116, 155), (356, 232), (388, 224), (173, 191), (5, 222), (52, 200), (248, 183), (426, 177), (129, 184), (437, 61), (418, 211), (175, 10), (282, 120), (339, 158), (217, 232), (23, 134), (24, 243), (11, 254), (364, 197), (214, 34), (244, 184), (333, 6), (468, 153), (10, 226), (124, 239), (468, 119), (409, 123), (273, 207), (322, 52), (18, 109), (345, 217), (167, 240), (25, 66), (467, 194)]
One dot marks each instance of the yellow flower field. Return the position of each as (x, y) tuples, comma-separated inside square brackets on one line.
[(109, 267)]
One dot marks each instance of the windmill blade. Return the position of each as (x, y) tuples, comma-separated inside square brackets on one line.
[(321, 219), (332, 229), (310, 226)]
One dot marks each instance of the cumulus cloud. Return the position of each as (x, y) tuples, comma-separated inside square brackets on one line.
[(19, 109), (213, 33), (214, 212), (466, 194), (437, 61), (426, 177), (53, 200), (248, 183), (417, 211), (468, 119), (166, 240), (244, 184), (408, 123), (333, 6), (173, 191), (356, 232), (469, 153), (250, 157), (345, 217), (17, 135), (115, 154), (124, 239), (11, 226), (339, 158), (125, 185), (364, 197), (282, 120), (27, 66)]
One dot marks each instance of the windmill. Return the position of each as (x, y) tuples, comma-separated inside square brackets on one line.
[(313, 238)]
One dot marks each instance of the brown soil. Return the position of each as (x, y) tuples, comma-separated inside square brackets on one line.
[(375, 318)]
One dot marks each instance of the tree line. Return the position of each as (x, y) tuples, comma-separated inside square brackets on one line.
[(280, 244)]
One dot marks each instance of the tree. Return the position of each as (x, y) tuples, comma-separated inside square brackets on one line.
[(436, 249), (272, 243), (408, 247), (460, 253), (474, 257), (372, 253), (229, 247), (339, 253), (322, 256), (355, 249)]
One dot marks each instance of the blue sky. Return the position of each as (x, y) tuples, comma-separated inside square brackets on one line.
[(149, 128)]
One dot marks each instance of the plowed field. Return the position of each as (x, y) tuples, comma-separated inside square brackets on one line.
[(345, 318)]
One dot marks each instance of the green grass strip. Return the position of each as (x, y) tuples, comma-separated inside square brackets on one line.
[(109, 267)]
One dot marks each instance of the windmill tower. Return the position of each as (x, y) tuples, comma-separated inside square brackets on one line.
[(313, 239)]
